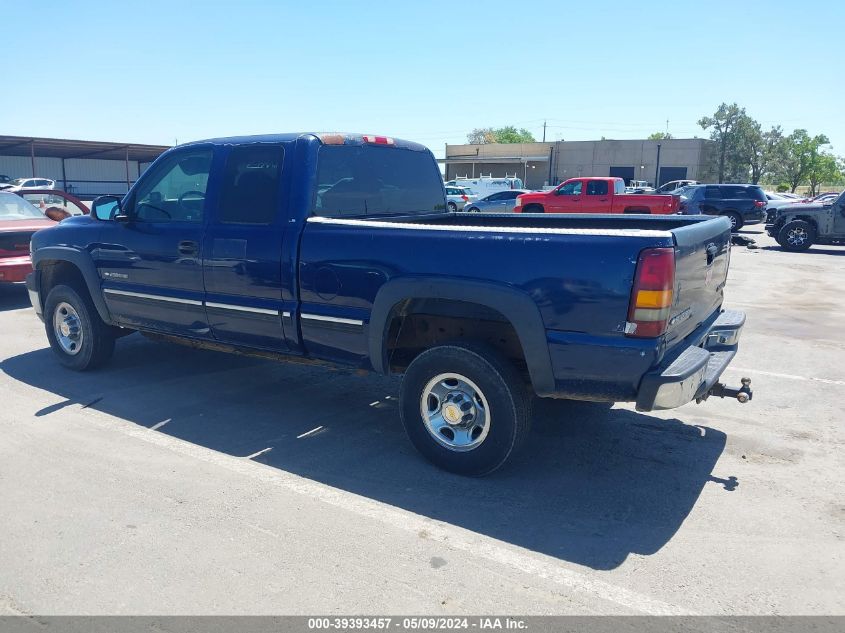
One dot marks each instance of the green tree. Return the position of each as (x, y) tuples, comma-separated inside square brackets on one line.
[(507, 134), (723, 129), (799, 153), (659, 136), (824, 168), (481, 136)]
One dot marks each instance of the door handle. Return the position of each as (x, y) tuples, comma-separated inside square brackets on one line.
[(576, 199), (603, 200), (187, 247)]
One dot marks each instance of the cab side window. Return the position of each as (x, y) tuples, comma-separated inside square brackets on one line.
[(250, 187), (175, 191), (571, 189), (597, 188)]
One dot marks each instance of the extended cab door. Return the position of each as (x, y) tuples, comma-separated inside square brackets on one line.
[(243, 248), (568, 197), (150, 261), (597, 198)]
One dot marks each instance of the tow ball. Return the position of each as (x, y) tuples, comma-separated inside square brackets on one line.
[(743, 394)]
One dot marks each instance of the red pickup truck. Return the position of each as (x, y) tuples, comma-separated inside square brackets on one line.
[(595, 195)]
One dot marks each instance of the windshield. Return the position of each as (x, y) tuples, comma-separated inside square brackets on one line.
[(14, 208), (19, 181), (367, 180)]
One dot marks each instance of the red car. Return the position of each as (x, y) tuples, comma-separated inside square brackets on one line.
[(595, 195), (54, 203), (18, 221)]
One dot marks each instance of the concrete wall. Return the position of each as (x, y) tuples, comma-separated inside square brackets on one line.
[(588, 158)]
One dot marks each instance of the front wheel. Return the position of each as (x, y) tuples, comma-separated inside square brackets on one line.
[(464, 407), (797, 235), (76, 333), (473, 210)]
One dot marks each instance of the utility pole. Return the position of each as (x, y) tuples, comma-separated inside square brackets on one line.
[(544, 131)]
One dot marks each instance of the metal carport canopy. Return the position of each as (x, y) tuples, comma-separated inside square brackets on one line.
[(66, 148), (494, 159)]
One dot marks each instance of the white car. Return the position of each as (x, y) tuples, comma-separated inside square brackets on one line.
[(458, 197), (21, 184), (485, 185)]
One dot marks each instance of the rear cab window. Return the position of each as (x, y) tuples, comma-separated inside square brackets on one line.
[(374, 180)]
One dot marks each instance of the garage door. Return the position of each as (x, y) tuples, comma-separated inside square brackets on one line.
[(626, 173)]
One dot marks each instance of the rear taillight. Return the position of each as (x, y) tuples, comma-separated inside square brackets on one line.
[(759, 203), (465, 198), (651, 298)]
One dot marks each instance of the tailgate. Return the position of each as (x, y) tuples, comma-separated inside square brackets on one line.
[(702, 253)]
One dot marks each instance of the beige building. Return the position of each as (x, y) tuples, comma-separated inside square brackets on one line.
[(540, 164)]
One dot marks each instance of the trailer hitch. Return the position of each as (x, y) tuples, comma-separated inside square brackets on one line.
[(720, 390)]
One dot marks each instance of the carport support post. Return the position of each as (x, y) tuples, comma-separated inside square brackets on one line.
[(32, 156), (657, 169), (127, 169), (64, 175)]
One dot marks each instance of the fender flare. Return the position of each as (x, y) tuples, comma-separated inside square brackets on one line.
[(83, 263), (516, 306)]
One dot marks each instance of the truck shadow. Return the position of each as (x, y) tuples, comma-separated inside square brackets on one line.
[(593, 484), (13, 297)]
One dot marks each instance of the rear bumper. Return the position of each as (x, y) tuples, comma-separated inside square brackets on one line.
[(15, 269), (755, 217), (696, 370)]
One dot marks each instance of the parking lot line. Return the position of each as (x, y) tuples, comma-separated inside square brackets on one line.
[(827, 381), (449, 535)]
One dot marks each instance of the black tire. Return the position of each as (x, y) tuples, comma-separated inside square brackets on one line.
[(533, 208), (501, 387), (96, 343), (472, 210), (797, 236), (452, 207), (736, 220)]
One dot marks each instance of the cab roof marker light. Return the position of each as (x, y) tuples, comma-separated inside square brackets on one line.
[(378, 140), (332, 139)]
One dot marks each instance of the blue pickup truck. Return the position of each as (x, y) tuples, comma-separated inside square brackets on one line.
[(339, 249)]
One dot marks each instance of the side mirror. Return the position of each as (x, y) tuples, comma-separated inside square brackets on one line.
[(108, 208)]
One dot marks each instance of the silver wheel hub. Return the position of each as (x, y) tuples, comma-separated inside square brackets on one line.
[(455, 412), (68, 328), (796, 236)]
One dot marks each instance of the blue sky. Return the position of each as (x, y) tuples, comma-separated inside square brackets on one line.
[(151, 72)]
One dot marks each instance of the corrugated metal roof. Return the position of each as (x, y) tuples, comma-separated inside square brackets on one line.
[(67, 148)]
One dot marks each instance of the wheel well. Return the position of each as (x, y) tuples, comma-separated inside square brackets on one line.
[(533, 207), (415, 325), (55, 272)]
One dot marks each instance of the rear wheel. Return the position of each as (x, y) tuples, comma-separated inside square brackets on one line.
[(452, 207), (797, 235), (736, 220), (473, 209), (76, 333), (464, 407)]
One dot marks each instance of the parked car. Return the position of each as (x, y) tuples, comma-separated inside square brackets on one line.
[(356, 266), (797, 227), (458, 197), (594, 195), (673, 185), (54, 203), (19, 184), (485, 185), (499, 202), (776, 200), (5, 180), (741, 204), (18, 221), (639, 186)]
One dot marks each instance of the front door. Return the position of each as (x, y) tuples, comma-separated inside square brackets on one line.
[(569, 197), (243, 246), (839, 217), (151, 262)]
